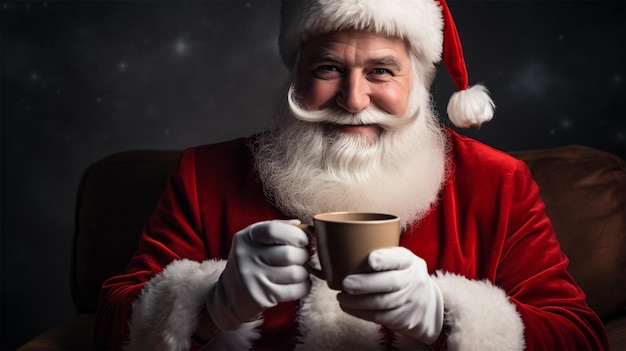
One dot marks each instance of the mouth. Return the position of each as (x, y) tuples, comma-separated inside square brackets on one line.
[(369, 130)]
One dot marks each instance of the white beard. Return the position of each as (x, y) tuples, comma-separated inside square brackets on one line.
[(306, 170)]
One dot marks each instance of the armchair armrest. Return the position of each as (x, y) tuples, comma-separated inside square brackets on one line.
[(75, 334)]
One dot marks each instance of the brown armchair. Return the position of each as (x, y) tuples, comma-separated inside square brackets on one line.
[(584, 190)]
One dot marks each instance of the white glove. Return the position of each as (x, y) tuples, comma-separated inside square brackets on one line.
[(265, 267), (399, 294)]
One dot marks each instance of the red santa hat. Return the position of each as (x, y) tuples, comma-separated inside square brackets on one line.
[(426, 25)]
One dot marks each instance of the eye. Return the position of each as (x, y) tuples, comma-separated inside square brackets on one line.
[(326, 71), (380, 74), (330, 68), (381, 71)]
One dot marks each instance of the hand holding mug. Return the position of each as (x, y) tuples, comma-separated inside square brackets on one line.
[(398, 294), (265, 266)]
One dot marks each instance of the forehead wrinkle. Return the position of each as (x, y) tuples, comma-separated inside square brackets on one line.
[(325, 55)]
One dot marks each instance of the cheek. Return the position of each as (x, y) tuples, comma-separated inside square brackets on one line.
[(317, 94), (393, 99)]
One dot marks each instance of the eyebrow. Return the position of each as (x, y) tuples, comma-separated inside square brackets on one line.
[(387, 61), (322, 55)]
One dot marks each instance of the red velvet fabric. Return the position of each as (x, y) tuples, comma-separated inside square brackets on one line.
[(489, 224)]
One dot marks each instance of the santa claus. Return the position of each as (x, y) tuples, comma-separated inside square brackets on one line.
[(221, 264)]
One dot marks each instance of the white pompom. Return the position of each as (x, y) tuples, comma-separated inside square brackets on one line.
[(471, 107)]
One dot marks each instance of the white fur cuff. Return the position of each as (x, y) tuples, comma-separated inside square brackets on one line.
[(480, 315), (165, 314)]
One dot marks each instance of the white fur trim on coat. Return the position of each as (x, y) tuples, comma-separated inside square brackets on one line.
[(166, 312), (480, 315), (324, 326)]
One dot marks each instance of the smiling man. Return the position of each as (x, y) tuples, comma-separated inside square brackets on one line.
[(220, 264)]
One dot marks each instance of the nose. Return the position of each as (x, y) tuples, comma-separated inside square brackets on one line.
[(354, 93)]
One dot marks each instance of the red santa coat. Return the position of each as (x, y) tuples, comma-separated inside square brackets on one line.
[(488, 243)]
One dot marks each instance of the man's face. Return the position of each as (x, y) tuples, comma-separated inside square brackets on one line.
[(357, 114), (353, 70)]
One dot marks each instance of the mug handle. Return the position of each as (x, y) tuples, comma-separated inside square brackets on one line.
[(310, 232)]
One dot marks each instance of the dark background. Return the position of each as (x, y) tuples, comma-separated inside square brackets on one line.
[(81, 80)]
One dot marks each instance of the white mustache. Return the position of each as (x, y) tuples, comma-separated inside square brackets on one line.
[(369, 115)]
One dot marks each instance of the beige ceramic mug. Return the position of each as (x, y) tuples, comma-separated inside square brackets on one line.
[(344, 240)]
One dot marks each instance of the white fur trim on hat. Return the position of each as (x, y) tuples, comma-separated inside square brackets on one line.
[(426, 25), (419, 22)]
